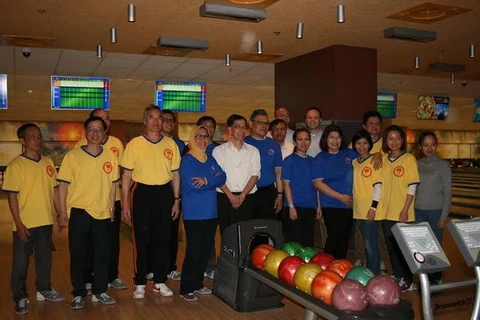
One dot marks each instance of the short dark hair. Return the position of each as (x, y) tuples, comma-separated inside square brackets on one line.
[(276, 122), (329, 129), (362, 134), (313, 108), (92, 114), (170, 112), (150, 108), (258, 112), (91, 119), (402, 135), (235, 117), (370, 114), (204, 119), (21, 130)]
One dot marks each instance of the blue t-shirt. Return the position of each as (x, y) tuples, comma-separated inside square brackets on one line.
[(210, 148), (200, 203), (180, 143), (270, 158), (336, 170), (298, 170)]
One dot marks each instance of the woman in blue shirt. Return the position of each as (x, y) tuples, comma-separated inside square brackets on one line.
[(334, 168), (199, 176)]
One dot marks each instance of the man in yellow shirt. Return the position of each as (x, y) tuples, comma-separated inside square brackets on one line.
[(114, 145), (151, 161), (88, 177), (30, 180)]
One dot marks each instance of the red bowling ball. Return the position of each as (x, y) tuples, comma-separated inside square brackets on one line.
[(288, 267), (259, 254), (350, 295), (340, 266), (323, 285), (323, 259), (383, 290)]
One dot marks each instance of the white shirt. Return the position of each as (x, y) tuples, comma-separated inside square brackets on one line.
[(287, 149), (239, 165), (314, 148), (288, 135)]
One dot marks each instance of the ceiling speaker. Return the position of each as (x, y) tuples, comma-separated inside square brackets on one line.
[(211, 10), (417, 35), (192, 44)]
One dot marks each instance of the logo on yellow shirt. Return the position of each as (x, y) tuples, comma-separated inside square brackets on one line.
[(366, 172), (107, 167), (168, 154), (115, 151), (399, 171), (50, 171)]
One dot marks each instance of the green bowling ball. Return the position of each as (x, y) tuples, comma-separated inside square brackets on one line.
[(291, 247), (361, 274), (306, 253)]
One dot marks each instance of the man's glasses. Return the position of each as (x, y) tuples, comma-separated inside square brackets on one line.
[(171, 120), (92, 129)]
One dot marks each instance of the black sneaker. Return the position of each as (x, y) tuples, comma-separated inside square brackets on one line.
[(21, 306)]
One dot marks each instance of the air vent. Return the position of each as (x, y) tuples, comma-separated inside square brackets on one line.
[(211, 10), (416, 35), (447, 67), (178, 43)]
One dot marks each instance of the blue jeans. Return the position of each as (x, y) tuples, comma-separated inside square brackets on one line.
[(432, 217), (369, 230)]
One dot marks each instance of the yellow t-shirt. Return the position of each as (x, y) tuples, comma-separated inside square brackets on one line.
[(34, 183), (90, 179), (377, 146), (397, 175), (364, 178), (151, 163), (113, 144)]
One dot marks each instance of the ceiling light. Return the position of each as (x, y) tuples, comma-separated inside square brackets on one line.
[(227, 60), (300, 30), (416, 62), (131, 12), (452, 77), (29, 91), (259, 47), (340, 13), (472, 51), (113, 35), (99, 51)]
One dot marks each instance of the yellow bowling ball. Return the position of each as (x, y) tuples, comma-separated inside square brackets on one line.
[(304, 276), (273, 260)]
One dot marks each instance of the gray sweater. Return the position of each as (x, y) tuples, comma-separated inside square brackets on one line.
[(435, 189)]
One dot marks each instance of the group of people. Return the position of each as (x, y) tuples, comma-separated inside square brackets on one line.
[(296, 176)]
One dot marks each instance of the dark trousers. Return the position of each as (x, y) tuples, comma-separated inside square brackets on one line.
[(264, 202), (399, 264), (39, 243), (432, 217), (339, 227), (114, 244), (86, 233), (212, 259), (151, 221), (174, 244), (302, 229), (200, 238), (228, 215)]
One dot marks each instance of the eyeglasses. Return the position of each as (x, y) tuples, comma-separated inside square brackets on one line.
[(171, 120), (200, 137), (93, 129), (261, 123), (239, 127)]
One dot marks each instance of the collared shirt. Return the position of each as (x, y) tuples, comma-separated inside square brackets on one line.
[(239, 165), (287, 149), (289, 136), (314, 148)]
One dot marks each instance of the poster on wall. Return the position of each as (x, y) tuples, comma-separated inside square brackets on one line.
[(432, 108), (476, 114), (387, 104)]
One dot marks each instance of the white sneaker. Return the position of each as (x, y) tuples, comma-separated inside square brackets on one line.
[(162, 289), (174, 275), (149, 277), (383, 268), (358, 263), (139, 292), (88, 287)]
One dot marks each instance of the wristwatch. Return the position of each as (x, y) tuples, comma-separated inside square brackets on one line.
[(290, 205)]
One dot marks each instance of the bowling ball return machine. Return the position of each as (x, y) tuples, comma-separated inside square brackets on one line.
[(425, 255), (245, 288)]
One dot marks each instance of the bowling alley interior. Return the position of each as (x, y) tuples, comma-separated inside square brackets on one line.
[(415, 62)]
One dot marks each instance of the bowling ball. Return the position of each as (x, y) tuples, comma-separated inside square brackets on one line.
[(273, 260), (306, 253), (304, 276), (361, 274), (291, 247), (288, 267), (323, 259), (350, 295), (382, 289), (340, 266), (323, 285), (259, 254)]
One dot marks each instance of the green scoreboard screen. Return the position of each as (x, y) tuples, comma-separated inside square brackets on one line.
[(387, 104), (180, 96), (80, 93)]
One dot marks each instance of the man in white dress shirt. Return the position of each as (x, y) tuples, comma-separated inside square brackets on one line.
[(241, 163)]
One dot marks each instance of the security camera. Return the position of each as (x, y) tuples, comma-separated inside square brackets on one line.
[(464, 83), (26, 52)]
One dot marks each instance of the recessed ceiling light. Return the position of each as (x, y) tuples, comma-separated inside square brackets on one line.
[(30, 91)]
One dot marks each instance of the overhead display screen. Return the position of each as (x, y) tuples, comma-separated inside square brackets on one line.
[(181, 96), (80, 93), (387, 104), (3, 91)]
